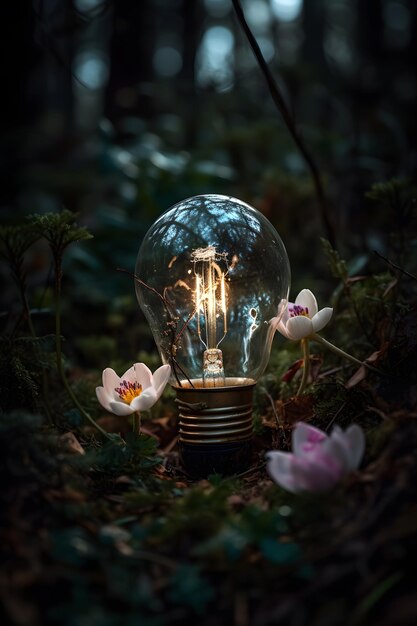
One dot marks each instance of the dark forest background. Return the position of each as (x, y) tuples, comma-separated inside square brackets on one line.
[(119, 109)]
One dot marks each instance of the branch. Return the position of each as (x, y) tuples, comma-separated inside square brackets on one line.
[(396, 267), (175, 338), (289, 121)]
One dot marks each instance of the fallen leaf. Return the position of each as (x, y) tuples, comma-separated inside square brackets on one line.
[(296, 409), (71, 443)]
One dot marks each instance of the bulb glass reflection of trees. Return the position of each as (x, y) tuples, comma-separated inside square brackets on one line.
[(210, 275)]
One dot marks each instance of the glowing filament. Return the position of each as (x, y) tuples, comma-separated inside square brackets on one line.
[(210, 296), (211, 310)]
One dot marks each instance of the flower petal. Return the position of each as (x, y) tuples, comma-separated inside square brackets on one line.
[(145, 401), (110, 381), (299, 327), (356, 443), (337, 450), (300, 474), (304, 437), (104, 398), (279, 467), (143, 375), (322, 318), (139, 372), (317, 474), (160, 378), (308, 299), (121, 408)]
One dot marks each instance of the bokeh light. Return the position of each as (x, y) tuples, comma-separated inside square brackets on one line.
[(215, 58), (286, 10)]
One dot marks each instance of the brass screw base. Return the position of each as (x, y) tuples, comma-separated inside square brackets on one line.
[(215, 427)]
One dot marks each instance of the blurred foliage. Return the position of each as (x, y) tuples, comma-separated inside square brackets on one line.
[(111, 532)]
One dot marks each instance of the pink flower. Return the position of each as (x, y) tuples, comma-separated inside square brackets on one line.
[(137, 390), (318, 461), (302, 317)]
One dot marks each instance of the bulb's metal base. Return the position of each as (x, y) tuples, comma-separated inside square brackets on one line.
[(215, 428)]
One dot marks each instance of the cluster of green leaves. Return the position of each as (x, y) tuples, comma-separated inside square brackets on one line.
[(59, 230), (162, 552), (368, 307), (14, 243), (132, 455), (26, 362), (175, 546), (153, 556), (22, 360)]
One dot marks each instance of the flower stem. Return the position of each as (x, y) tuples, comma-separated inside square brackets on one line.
[(306, 365), (33, 334), (58, 348), (344, 354), (139, 422)]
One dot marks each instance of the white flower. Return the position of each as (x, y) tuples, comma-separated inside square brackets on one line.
[(302, 317), (137, 390), (318, 461)]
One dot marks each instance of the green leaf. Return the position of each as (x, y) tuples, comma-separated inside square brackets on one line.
[(134, 455), (388, 192), (72, 546), (337, 265), (230, 541), (278, 552), (59, 229), (189, 588), (15, 240)]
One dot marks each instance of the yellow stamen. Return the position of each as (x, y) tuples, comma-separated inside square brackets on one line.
[(128, 391)]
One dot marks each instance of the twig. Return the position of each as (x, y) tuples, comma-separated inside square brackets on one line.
[(251, 470), (395, 266), (274, 410), (175, 338), (286, 114), (306, 365), (339, 410)]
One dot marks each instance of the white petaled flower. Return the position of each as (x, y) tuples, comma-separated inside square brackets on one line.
[(302, 318), (318, 461), (137, 390)]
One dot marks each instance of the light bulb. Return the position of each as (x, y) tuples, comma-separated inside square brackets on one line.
[(211, 274)]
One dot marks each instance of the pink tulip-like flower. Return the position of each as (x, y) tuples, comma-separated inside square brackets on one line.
[(318, 461), (302, 317), (137, 390)]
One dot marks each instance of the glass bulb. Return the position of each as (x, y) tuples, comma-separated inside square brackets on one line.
[(216, 272), (211, 274)]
